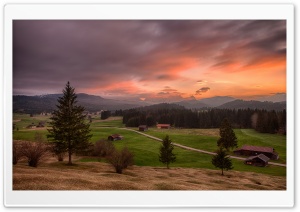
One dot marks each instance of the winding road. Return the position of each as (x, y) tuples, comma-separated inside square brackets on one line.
[(193, 149)]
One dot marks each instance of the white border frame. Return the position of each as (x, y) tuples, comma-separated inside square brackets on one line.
[(147, 198)]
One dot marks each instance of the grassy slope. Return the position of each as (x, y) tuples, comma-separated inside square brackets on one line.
[(146, 150)]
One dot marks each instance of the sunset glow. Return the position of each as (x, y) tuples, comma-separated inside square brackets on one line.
[(151, 60)]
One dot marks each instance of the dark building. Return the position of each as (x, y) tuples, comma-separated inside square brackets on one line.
[(256, 150), (143, 128), (258, 160), (115, 137)]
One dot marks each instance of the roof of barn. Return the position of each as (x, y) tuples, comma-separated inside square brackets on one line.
[(256, 148), (260, 156)]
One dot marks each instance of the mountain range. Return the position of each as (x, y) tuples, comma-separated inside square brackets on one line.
[(92, 103)]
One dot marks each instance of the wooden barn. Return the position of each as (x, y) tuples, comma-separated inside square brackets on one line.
[(163, 126), (115, 137), (258, 160), (143, 128), (256, 150)]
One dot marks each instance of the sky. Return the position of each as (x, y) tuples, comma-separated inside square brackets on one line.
[(151, 60)]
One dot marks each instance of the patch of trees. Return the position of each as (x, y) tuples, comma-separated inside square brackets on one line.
[(260, 120), (118, 113), (270, 121), (105, 114)]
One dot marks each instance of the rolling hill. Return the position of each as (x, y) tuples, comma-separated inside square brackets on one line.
[(46, 103), (92, 103)]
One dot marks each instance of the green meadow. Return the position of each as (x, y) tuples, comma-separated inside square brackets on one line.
[(206, 139), (146, 150)]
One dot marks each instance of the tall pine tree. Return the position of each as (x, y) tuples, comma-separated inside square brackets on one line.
[(227, 138), (166, 152), (69, 131)]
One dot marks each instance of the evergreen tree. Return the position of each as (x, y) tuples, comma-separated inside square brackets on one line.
[(69, 132), (221, 160), (227, 138), (166, 152)]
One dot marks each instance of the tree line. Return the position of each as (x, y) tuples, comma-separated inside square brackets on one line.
[(261, 120)]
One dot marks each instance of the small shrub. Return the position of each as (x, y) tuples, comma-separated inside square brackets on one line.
[(34, 152), (121, 159), (103, 148)]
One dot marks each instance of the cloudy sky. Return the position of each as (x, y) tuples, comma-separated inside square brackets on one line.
[(150, 60)]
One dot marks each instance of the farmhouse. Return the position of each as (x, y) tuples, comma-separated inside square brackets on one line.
[(256, 150), (163, 126), (115, 137), (143, 128), (258, 160)]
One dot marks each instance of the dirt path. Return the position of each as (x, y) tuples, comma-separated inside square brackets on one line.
[(196, 150)]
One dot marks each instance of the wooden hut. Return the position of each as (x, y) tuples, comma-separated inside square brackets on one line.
[(143, 128), (115, 137), (258, 160)]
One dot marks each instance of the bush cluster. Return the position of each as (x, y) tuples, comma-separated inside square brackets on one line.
[(121, 159), (103, 148), (34, 152)]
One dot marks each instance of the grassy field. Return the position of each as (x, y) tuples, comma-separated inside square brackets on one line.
[(146, 150)]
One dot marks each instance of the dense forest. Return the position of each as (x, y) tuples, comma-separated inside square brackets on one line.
[(261, 120)]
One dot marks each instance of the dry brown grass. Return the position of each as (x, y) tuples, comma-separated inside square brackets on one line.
[(52, 175)]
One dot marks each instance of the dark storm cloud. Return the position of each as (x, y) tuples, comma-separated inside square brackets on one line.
[(89, 54), (202, 90)]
